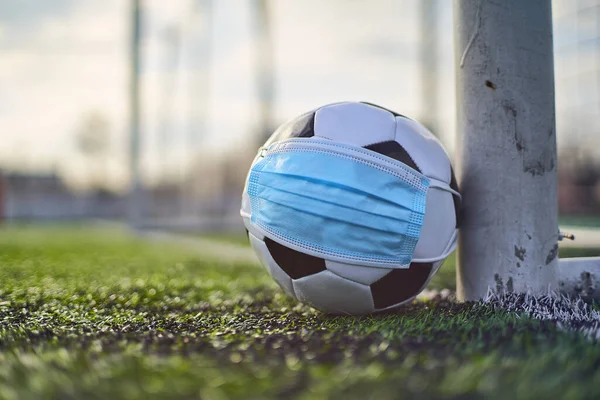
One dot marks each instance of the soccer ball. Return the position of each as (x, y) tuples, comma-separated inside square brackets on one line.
[(346, 288)]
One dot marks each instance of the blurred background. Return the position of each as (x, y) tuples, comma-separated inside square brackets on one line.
[(166, 103)]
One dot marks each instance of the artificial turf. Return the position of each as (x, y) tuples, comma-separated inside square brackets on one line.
[(88, 313)]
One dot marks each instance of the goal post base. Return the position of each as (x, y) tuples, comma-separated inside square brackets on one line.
[(579, 277)]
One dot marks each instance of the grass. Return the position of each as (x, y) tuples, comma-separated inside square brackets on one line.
[(589, 221), (237, 238), (96, 314)]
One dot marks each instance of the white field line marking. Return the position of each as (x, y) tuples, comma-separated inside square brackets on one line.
[(209, 248), (568, 314)]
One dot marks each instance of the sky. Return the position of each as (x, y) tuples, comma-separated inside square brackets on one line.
[(62, 60)]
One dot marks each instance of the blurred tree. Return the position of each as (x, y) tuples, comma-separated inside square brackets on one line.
[(93, 143)]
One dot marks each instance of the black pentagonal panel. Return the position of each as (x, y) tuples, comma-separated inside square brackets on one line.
[(456, 199), (400, 285), (394, 113), (294, 263), (302, 126), (394, 150)]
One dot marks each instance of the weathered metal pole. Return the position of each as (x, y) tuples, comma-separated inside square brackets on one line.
[(135, 185), (507, 146)]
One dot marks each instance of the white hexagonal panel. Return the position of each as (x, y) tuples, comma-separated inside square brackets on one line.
[(439, 224), (364, 275), (424, 148), (355, 123), (331, 293)]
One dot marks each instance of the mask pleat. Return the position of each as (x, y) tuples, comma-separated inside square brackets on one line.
[(357, 191), (359, 202), (303, 204)]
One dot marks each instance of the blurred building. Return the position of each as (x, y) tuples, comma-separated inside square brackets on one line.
[(46, 197), (210, 98), (579, 188)]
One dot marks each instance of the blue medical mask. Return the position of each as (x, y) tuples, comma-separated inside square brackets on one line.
[(338, 202)]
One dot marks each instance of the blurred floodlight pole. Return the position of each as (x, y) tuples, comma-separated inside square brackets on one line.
[(198, 93), (507, 146), (199, 90), (135, 189), (264, 57), (429, 63), (172, 42)]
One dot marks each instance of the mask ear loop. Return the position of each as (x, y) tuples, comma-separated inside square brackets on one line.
[(446, 187), (443, 186), (450, 247), (245, 214)]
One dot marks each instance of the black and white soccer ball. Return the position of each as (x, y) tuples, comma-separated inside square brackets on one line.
[(341, 288)]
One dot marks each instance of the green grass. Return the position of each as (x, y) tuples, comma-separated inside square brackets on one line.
[(589, 221), (240, 239), (97, 314)]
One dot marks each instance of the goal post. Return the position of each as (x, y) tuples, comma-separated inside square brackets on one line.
[(507, 159)]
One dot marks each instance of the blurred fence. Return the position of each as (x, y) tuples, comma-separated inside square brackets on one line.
[(216, 77)]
